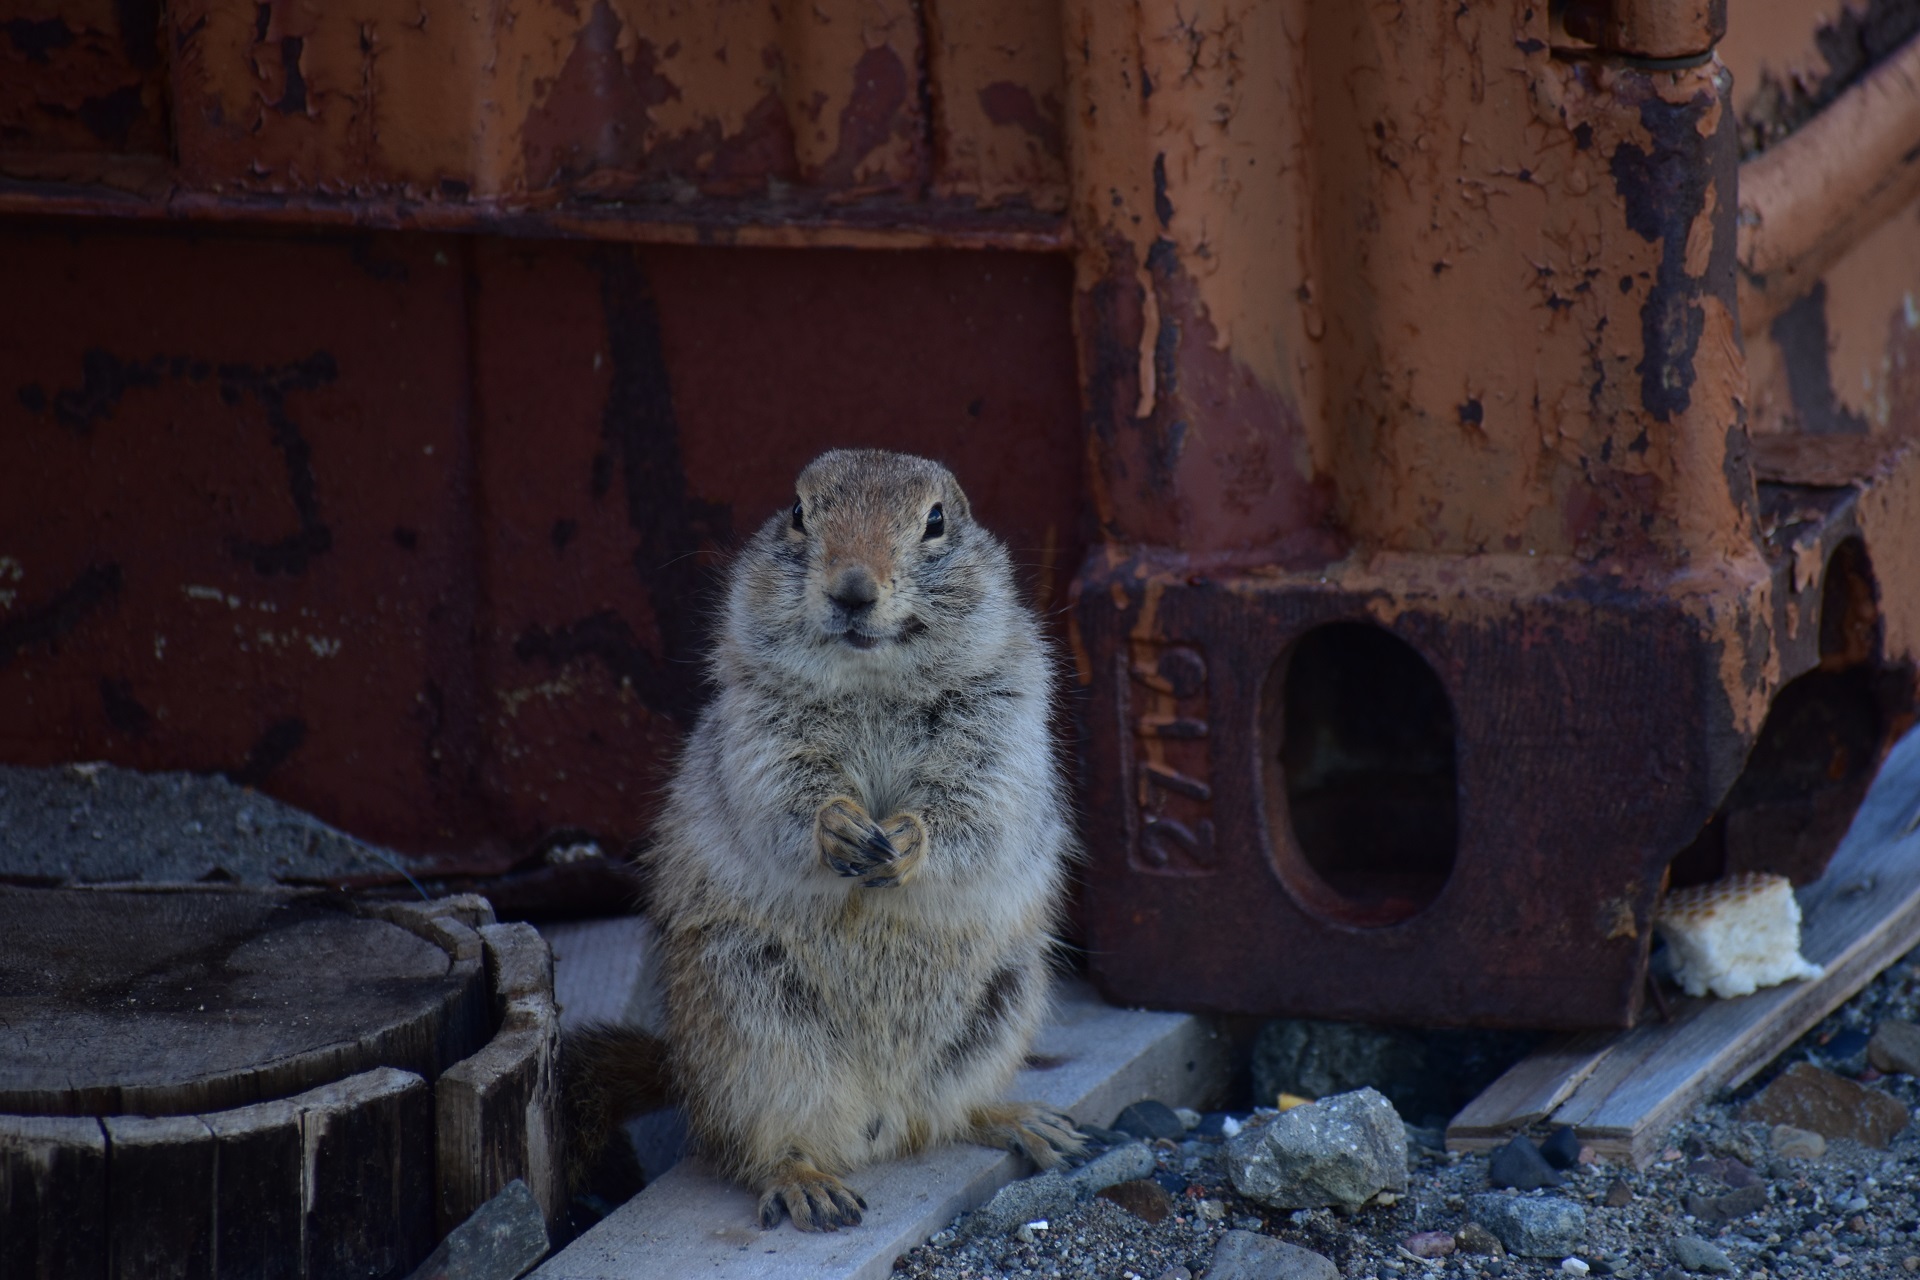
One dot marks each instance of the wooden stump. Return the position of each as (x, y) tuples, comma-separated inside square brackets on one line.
[(356, 1072)]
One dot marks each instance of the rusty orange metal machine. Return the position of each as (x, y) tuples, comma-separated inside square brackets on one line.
[(1469, 448)]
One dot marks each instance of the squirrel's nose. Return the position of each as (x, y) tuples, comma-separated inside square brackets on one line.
[(854, 590)]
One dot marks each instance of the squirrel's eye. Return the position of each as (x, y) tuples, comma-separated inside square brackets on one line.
[(936, 523), (799, 525)]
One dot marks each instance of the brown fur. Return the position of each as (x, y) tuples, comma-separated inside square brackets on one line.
[(845, 987)]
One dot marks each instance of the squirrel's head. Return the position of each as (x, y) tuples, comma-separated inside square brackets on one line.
[(877, 565)]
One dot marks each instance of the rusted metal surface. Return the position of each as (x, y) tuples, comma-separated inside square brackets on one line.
[(1495, 427), (415, 532), (874, 117), (1478, 386)]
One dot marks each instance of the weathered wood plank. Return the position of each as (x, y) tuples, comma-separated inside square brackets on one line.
[(1532, 1088), (690, 1223), (495, 1113), (53, 1198), (606, 971), (368, 1148), (159, 1198), (259, 1202), (1859, 917)]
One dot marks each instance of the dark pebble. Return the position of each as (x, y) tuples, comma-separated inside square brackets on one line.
[(1847, 1052), (1726, 1208), (1144, 1199), (1150, 1120), (1214, 1124), (1519, 1164), (1562, 1148), (1175, 1183)]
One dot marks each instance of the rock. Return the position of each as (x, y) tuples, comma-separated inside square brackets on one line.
[(1341, 1151), (1519, 1164), (1046, 1195), (1177, 1273), (1189, 1118), (1574, 1266), (1427, 1075), (1846, 1053), (1695, 1254), (1734, 1204), (1142, 1197), (1808, 1097), (1474, 1238), (501, 1240), (1218, 1124), (1149, 1120), (1796, 1144), (1243, 1255), (1727, 1171), (1430, 1244), (1562, 1148), (1428, 1139), (1895, 1047), (1533, 1227), (1619, 1195), (1122, 1164)]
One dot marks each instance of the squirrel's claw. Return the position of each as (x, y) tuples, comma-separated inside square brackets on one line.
[(1041, 1134), (815, 1201)]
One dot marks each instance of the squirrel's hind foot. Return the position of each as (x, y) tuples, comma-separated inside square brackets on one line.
[(1041, 1134), (815, 1201)]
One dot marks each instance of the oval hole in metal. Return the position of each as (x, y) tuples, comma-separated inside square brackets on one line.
[(1363, 734)]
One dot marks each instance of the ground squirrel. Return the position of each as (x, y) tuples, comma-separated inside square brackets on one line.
[(859, 864)]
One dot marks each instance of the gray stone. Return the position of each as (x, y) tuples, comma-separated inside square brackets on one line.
[(1045, 1195), (501, 1240), (1149, 1120), (1895, 1048), (1531, 1226), (1122, 1164), (1792, 1143), (1696, 1254), (1520, 1165), (1725, 1208), (1048, 1195), (1340, 1151), (1243, 1255)]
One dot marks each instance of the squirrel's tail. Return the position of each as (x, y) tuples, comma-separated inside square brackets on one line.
[(607, 1075)]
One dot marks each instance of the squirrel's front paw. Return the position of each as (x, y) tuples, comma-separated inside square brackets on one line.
[(851, 843)]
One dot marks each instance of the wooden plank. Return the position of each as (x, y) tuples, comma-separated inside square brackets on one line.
[(605, 971), (496, 1113), (1863, 914), (1529, 1091), (159, 1198), (690, 1223), (259, 1197), (368, 1147), (53, 1198)]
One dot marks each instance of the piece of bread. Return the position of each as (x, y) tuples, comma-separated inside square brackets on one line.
[(1734, 936)]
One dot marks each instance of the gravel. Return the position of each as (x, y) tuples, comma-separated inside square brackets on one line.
[(1723, 1192)]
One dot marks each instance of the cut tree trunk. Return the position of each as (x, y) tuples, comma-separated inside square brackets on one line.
[(211, 1082)]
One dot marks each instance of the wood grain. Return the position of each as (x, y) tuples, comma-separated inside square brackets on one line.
[(496, 1116), (210, 999)]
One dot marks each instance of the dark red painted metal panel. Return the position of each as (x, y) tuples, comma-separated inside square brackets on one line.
[(237, 525), (420, 533), (643, 409)]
